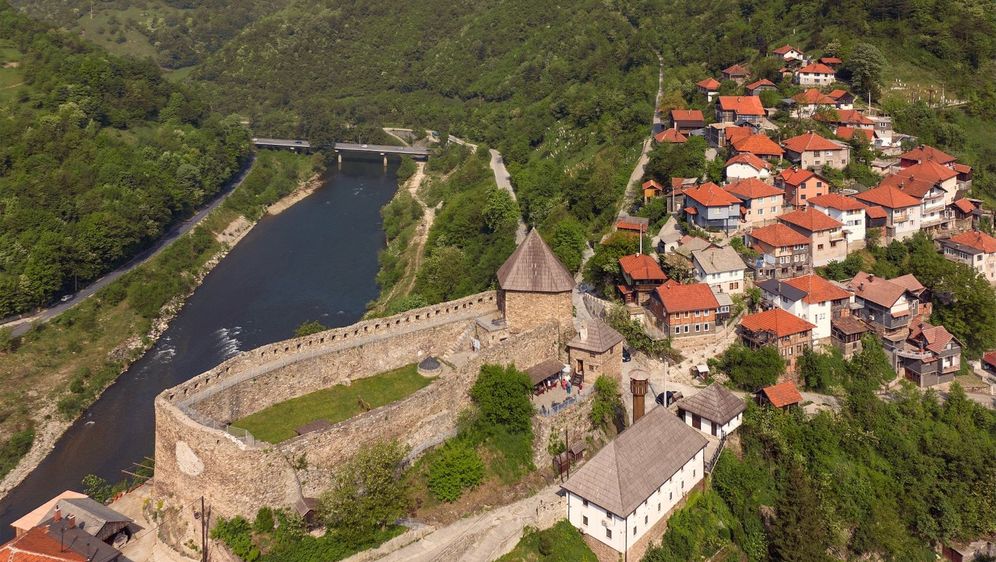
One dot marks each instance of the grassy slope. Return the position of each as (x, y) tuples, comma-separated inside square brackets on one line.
[(565, 542), (278, 422)]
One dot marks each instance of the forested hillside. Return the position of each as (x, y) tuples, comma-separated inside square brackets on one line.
[(99, 155)]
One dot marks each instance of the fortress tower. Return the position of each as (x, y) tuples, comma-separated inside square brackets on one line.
[(534, 287)]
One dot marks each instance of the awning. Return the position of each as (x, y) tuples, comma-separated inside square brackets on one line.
[(702, 369)]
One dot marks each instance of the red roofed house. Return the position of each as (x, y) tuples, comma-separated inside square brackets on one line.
[(934, 186), (842, 99), (737, 73), (708, 87), (784, 252), (848, 133), (788, 333), (902, 211), (762, 85), (832, 62), (974, 248), (815, 74), (810, 101), (788, 52), (847, 210), (37, 545), (641, 275), (965, 213), (651, 188), (758, 145), (633, 225), (710, 207), (672, 136), (810, 150), (684, 310), (924, 153), (826, 235), (739, 109), (929, 356), (811, 298), (801, 185), (889, 305), (687, 120), (782, 395), (847, 118), (761, 202), (747, 165), (989, 361)]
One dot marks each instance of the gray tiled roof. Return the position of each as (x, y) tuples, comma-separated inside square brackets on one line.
[(637, 462), (533, 267), (600, 337), (714, 403), (718, 259)]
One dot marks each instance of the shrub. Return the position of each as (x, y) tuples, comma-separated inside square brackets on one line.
[(750, 369), (456, 468), (406, 169), (308, 328), (264, 520), (606, 405), (502, 397), (236, 533), (15, 448)]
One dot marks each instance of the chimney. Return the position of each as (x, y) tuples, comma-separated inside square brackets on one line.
[(638, 386), (71, 520), (57, 516)]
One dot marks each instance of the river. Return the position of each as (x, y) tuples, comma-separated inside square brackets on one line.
[(315, 261)]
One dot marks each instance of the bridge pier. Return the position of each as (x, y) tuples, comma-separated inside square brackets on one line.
[(338, 157), (385, 159)]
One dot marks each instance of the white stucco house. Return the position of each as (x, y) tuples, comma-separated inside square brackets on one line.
[(714, 410), (847, 210), (721, 268), (811, 298), (632, 484)]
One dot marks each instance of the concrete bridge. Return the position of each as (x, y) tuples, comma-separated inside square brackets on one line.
[(340, 147)]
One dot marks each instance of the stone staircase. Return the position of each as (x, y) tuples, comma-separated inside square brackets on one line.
[(460, 349)]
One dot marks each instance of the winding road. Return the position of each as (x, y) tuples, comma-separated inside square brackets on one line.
[(20, 326)]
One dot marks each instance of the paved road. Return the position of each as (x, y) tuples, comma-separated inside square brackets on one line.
[(504, 181), (21, 326)]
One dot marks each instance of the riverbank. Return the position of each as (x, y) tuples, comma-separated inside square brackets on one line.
[(62, 368)]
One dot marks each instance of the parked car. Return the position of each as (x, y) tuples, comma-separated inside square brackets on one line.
[(66, 298)]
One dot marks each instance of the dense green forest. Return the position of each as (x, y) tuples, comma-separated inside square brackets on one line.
[(100, 155)]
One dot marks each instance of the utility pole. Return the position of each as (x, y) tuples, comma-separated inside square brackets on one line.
[(204, 523)]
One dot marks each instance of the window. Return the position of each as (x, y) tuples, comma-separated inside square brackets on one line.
[(670, 496), (634, 530), (584, 520), (760, 211), (705, 327), (686, 328), (608, 533), (584, 503), (658, 507), (693, 473), (696, 327), (646, 519), (682, 484), (677, 329), (735, 285)]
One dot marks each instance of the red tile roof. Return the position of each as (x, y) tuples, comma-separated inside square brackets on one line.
[(934, 338), (752, 188), (875, 212), (776, 321), (671, 135), (653, 184), (836, 201), (830, 60), (750, 160), (734, 134), (961, 168), (887, 196), (795, 176), (37, 545), (923, 153), (641, 267), (676, 297), (990, 357), (785, 49), (813, 96), (977, 240), (624, 224), (964, 205), (816, 68), (687, 115), (759, 83), (710, 84), (782, 394), (810, 141), (735, 70), (817, 289), (711, 195), (837, 94), (779, 236), (691, 211), (811, 220), (760, 145), (881, 291), (741, 105), (914, 187), (847, 133), (928, 170)]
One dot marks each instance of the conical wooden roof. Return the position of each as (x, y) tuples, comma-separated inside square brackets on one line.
[(532, 267)]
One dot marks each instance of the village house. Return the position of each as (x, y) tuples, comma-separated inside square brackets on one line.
[(811, 101), (966, 213), (641, 275), (762, 85), (929, 356), (688, 244), (708, 87), (711, 207), (782, 396), (739, 109), (815, 74), (784, 252), (810, 150), (651, 188), (670, 136), (847, 210), (633, 225), (825, 234), (888, 305), (846, 333), (801, 185), (58, 541), (934, 200), (788, 52), (761, 203), (847, 118), (746, 166), (989, 362), (595, 351), (687, 120), (848, 134), (832, 62), (924, 153), (786, 332), (902, 211), (842, 99), (713, 410), (720, 267), (684, 310), (736, 73), (631, 486), (759, 145), (975, 249), (811, 298)]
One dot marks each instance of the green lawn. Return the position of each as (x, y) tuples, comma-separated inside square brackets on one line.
[(560, 543), (278, 422)]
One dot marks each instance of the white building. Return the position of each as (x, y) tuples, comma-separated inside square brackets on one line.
[(815, 74), (747, 166), (846, 210), (902, 211), (633, 482), (809, 297), (721, 268), (714, 410)]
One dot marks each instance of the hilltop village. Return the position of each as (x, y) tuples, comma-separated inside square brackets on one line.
[(595, 414)]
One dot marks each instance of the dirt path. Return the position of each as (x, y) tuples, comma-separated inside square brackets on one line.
[(420, 238)]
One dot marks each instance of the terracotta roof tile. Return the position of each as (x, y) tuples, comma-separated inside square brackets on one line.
[(961, 168), (641, 267), (653, 184), (752, 188), (741, 105), (782, 394), (710, 84), (976, 240), (817, 289), (836, 201), (795, 176), (934, 338), (811, 220), (830, 60), (711, 195), (887, 196), (673, 136), (923, 153), (735, 70), (750, 160), (733, 134), (776, 321), (36, 545), (694, 115), (816, 68), (779, 236), (759, 83), (533, 267), (875, 212), (758, 144), (965, 206), (847, 133), (990, 357), (785, 49), (883, 292), (813, 96), (810, 141), (928, 170), (676, 297), (837, 93)]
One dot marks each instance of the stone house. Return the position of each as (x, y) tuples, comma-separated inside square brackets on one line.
[(687, 120), (784, 252), (889, 306), (641, 275), (902, 211), (815, 74), (846, 333), (973, 248), (788, 333), (713, 410), (747, 166), (737, 73), (811, 298), (720, 267), (710, 207), (533, 286), (684, 310), (846, 210), (801, 185), (739, 109), (761, 203), (810, 150), (630, 487), (826, 235), (595, 351), (929, 356)]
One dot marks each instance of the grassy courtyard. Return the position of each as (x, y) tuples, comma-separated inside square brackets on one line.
[(278, 422)]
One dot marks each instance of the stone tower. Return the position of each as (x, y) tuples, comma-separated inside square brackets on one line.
[(534, 287)]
